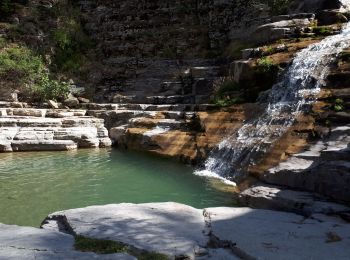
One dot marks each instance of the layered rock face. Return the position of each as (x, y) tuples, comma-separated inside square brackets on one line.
[(32, 129), (322, 165), (163, 48)]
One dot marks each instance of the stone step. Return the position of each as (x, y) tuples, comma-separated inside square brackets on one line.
[(149, 107), (17, 121), (65, 113), (36, 112), (6, 104), (85, 121), (43, 145), (142, 122), (162, 100)]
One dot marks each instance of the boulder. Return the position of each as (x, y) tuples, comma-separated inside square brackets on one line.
[(327, 17), (83, 100), (169, 228), (71, 101), (53, 104)]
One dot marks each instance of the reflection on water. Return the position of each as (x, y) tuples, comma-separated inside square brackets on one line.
[(35, 184)]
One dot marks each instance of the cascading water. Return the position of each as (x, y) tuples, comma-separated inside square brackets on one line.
[(296, 91)]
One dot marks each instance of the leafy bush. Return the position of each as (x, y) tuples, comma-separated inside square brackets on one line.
[(266, 65), (6, 7), (338, 105), (48, 89), (25, 70), (322, 30), (227, 93), (69, 39), (227, 101)]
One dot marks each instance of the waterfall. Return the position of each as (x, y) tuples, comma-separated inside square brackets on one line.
[(295, 92)]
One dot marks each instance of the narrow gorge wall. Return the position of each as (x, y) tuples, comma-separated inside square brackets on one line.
[(143, 47)]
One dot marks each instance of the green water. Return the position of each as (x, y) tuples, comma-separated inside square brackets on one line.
[(32, 185)]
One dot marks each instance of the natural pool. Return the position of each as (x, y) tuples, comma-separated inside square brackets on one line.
[(32, 185)]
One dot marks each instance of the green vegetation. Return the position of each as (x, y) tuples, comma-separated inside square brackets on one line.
[(322, 30), (23, 69), (152, 256), (100, 246), (266, 65), (69, 39), (234, 50), (228, 93), (278, 7), (104, 246), (338, 105), (6, 7)]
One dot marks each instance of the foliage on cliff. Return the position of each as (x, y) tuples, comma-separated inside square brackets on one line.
[(68, 38), (23, 70), (41, 43), (278, 7)]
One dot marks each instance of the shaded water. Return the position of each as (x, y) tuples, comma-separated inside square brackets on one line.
[(35, 184)]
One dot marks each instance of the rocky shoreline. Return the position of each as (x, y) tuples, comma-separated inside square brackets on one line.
[(181, 232)]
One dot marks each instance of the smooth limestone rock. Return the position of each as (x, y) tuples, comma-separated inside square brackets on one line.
[(213, 233), (27, 243), (264, 234), (168, 228)]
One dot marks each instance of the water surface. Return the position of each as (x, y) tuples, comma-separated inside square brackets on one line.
[(32, 185)]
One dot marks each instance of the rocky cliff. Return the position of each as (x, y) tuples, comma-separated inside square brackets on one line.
[(178, 77)]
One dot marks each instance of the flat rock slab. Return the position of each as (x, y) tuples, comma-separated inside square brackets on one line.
[(27, 243), (43, 145), (265, 234), (169, 228), (214, 233)]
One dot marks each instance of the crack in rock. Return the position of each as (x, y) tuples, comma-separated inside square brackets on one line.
[(216, 243)]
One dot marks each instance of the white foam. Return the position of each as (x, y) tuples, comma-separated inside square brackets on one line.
[(209, 174), (156, 131)]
